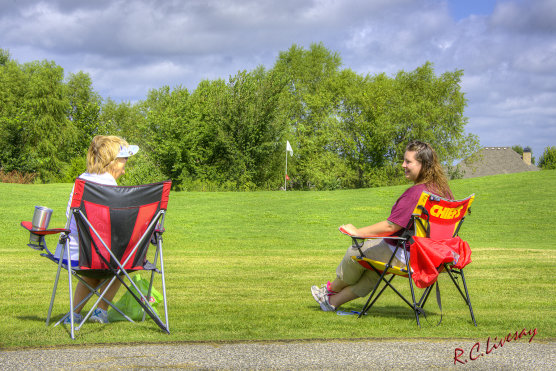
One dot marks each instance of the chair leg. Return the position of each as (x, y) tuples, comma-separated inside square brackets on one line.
[(98, 293), (100, 296), (387, 283), (93, 291), (468, 298), (368, 306), (158, 253), (152, 274), (54, 290), (149, 292), (416, 308), (465, 295), (141, 300), (72, 317), (76, 306), (163, 285), (425, 296)]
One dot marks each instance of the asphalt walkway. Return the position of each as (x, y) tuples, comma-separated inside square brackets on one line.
[(295, 355)]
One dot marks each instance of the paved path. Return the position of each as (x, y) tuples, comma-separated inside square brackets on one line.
[(294, 355)]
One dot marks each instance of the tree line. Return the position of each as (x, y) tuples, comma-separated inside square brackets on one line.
[(347, 130)]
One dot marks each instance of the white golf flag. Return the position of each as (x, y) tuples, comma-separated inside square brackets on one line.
[(289, 148)]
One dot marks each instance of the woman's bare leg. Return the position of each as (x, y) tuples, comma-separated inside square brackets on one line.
[(342, 297), (81, 291)]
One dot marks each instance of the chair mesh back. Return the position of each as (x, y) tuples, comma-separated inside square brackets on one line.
[(439, 218), (120, 216)]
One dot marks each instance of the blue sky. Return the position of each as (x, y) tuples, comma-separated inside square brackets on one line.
[(506, 48), (461, 9)]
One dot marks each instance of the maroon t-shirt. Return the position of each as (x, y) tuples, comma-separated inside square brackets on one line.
[(403, 208)]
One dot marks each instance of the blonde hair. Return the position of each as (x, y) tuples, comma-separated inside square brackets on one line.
[(102, 152), (431, 174)]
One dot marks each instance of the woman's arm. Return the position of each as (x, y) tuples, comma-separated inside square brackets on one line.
[(383, 228)]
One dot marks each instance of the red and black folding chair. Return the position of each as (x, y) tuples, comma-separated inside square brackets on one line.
[(435, 247), (116, 225)]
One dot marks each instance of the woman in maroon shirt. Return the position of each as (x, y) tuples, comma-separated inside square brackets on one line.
[(421, 166)]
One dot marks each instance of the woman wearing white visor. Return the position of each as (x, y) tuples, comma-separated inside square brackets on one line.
[(106, 160)]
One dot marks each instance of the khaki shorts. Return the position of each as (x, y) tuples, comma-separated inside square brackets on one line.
[(362, 280)]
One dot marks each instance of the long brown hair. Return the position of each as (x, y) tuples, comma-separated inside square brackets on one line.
[(431, 173)]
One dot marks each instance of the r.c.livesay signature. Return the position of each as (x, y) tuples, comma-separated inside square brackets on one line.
[(461, 356)]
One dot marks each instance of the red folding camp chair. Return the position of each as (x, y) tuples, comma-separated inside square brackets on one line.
[(434, 248), (116, 225)]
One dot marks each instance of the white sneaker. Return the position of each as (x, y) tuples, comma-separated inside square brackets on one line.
[(77, 318), (321, 296), (99, 316)]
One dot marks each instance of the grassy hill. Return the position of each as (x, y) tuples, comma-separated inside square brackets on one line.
[(239, 266)]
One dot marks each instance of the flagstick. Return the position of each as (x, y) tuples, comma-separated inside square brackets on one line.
[(285, 176)]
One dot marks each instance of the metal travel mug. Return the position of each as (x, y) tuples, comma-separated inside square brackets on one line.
[(41, 217)]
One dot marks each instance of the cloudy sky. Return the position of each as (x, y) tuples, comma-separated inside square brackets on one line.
[(507, 48)]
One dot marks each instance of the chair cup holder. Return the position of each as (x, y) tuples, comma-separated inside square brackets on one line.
[(36, 241)]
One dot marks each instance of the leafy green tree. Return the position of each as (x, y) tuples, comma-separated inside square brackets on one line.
[(4, 57), (84, 111), (167, 134), (346, 130), (83, 114), (253, 128), (128, 121), (548, 159), (365, 134), (12, 81), (312, 106), (519, 149), (117, 118), (33, 118), (223, 135), (430, 108)]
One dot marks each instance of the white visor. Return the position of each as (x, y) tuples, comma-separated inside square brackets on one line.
[(128, 151)]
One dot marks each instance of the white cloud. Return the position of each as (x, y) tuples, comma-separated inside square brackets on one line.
[(129, 47)]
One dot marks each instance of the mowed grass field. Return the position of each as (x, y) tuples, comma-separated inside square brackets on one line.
[(239, 266)]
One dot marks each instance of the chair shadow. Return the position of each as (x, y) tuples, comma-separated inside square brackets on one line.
[(389, 311), (54, 320), (32, 318)]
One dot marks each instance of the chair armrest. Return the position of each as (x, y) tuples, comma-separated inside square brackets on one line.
[(385, 235), (42, 232)]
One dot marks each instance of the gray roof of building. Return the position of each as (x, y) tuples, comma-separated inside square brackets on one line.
[(493, 161)]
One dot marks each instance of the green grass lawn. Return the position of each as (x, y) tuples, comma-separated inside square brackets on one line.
[(239, 266)]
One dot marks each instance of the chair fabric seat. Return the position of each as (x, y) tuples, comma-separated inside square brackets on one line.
[(380, 266), (100, 273)]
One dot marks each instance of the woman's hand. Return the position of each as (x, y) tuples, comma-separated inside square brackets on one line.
[(350, 228)]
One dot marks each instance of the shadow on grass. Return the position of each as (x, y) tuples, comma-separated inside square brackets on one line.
[(55, 319), (392, 311), (33, 318)]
